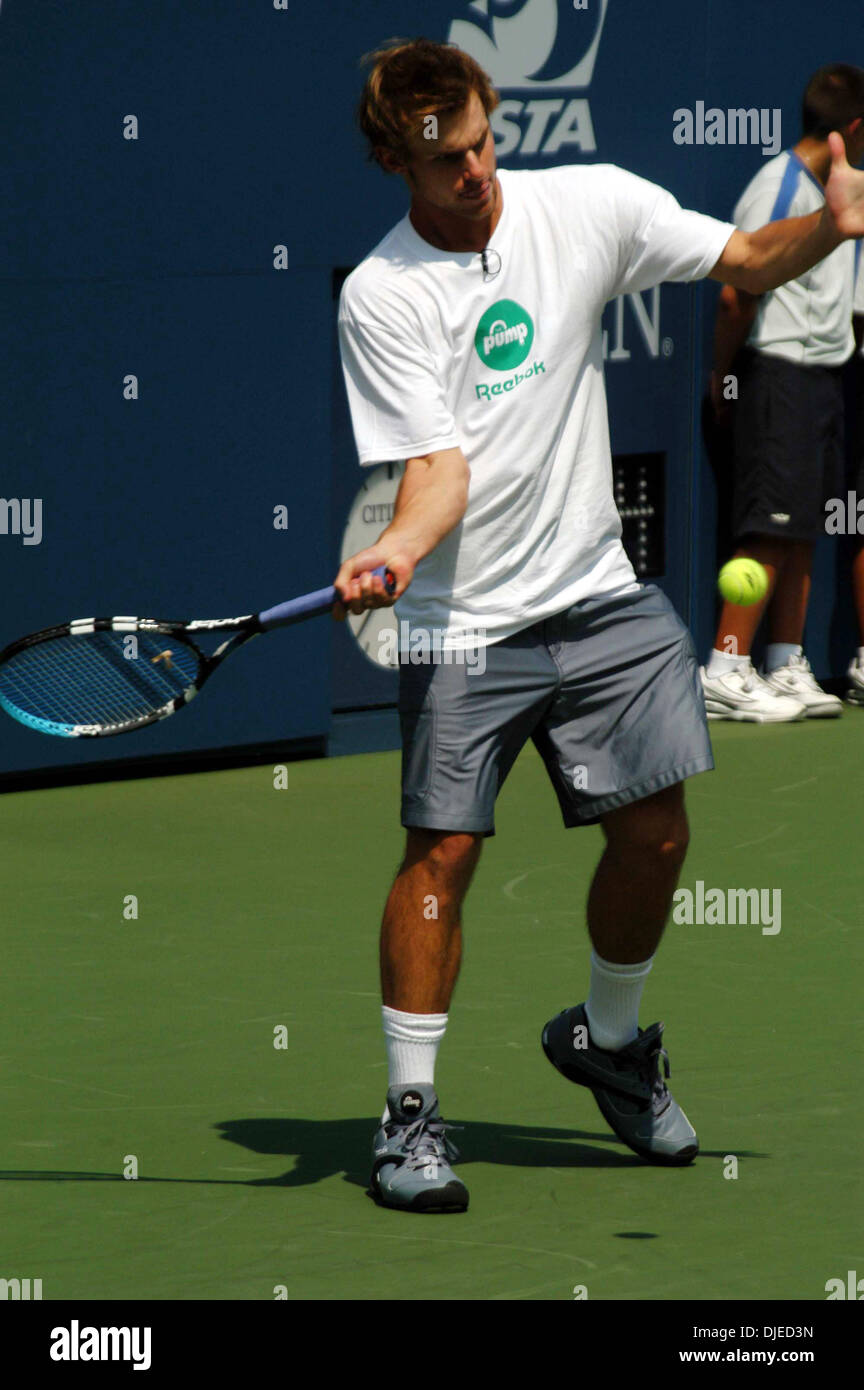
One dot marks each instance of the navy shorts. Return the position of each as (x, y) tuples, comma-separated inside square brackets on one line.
[(609, 691), (788, 446)]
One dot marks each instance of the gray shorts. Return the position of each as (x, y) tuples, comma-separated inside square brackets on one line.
[(608, 690)]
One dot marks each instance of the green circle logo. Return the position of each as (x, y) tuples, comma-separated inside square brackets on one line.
[(504, 335)]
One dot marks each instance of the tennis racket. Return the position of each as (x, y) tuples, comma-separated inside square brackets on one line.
[(94, 677)]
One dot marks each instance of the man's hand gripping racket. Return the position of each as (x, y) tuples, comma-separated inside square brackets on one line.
[(94, 677)]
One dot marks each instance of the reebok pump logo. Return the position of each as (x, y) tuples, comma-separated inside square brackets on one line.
[(503, 340), (498, 388), (504, 336)]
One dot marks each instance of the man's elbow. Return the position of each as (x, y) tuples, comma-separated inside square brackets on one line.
[(741, 267), (455, 475), (749, 278)]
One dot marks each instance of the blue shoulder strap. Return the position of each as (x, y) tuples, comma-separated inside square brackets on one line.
[(786, 191), (808, 171)]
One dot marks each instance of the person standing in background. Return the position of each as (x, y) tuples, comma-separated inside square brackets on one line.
[(785, 350), (855, 692)]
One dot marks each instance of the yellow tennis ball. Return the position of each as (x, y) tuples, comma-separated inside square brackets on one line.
[(743, 581)]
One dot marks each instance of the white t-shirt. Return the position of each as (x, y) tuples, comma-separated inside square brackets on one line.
[(808, 320), (509, 367)]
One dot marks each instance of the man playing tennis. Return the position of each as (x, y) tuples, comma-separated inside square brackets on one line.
[(472, 350)]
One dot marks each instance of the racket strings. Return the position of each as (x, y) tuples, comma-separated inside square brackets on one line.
[(93, 678)]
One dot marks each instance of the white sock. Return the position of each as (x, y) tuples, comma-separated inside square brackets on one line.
[(721, 663), (613, 1001), (412, 1046), (778, 653)]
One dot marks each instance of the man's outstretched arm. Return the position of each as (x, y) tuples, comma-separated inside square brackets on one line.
[(760, 261), (431, 500)]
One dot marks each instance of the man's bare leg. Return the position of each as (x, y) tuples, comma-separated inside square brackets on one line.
[(855, 689), (858, 590), (630, 897), (737, 625), (421, 951), (793, 692), (784, 651), (628, 905), (421, 934), (788, 611)]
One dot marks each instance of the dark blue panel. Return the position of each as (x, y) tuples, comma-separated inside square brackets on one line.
[(244, 132), (165, 505)]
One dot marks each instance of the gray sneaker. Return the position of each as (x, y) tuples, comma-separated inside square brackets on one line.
[(412, 1155), (627, 1085)]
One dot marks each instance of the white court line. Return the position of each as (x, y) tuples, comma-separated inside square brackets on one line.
[(823, 912), (792, 785), (508, 887), (78, 1086), (772, 835), (487, 1245)]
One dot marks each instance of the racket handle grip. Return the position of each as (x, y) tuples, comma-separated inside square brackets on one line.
[(313, 605)]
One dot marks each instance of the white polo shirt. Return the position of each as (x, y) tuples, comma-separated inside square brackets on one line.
[(509, 367), (808, 320)]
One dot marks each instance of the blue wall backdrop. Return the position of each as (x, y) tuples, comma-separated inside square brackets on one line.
[(153, 257)]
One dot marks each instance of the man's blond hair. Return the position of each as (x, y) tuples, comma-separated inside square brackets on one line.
[(411, 79)]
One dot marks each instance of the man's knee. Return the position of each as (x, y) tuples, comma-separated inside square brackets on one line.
[(449, 857), (654, 829)]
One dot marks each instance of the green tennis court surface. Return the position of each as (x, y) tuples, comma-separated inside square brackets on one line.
[(153, 1039)]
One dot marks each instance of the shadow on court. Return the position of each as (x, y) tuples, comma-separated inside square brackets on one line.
[(323, 1148), (327, 1148)]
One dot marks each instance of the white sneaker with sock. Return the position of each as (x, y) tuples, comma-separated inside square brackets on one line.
[(742, 694), (855, 674), (796, 679), (612, 1006), (412, 1046)]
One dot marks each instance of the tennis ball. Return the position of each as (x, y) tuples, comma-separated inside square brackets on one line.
[(743, 581)]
